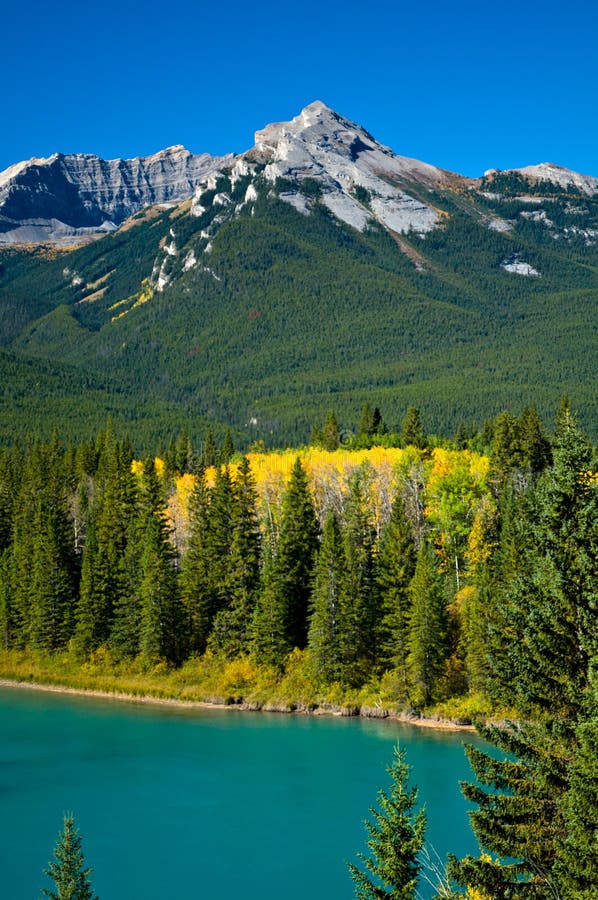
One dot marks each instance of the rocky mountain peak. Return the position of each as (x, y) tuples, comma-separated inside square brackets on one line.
[(361, 180), (80, 195), (548, 171), (319, 156)]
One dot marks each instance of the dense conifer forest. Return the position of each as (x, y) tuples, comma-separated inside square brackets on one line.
[(432, 320), (431, 580)]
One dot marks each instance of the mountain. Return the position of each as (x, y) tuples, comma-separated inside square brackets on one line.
[(319, 269), (584, 184), (80, 195)]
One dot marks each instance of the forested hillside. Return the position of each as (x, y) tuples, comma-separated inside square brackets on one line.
[(256, 316)]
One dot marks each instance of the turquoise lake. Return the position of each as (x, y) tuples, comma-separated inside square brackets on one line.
[(215, 804)]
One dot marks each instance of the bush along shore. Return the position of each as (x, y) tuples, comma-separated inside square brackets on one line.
[(238, 685)]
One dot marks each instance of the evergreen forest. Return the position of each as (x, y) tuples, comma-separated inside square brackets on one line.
[(269, 318)]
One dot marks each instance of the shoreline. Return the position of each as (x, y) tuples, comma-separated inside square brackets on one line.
[(149, 699)]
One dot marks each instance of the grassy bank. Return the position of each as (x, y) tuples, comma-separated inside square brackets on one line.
[(235, 683)]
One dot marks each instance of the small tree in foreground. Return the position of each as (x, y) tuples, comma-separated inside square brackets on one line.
[(396, 836), (67, 870)]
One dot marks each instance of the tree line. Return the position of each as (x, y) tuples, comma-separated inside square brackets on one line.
[(88, 561)]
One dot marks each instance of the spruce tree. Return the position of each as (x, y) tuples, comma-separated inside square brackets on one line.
[(195, 575), (209, 454), (361, 631), (426, 641), (535, 445), (41, 563), (269, 640), (113, 510), (10, 476), (395, 570), (396, 837), (232, 626), (331, 433), (70, 876), (228, 449), (577, 860), (329, 602), (18, 585), (297, 547), (412, 429), (53, 579), (160, 611), (366, 424), (524, 804), (220, 536)]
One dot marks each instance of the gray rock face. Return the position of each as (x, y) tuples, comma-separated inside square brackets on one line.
[(362, 183), (344, 158), (83, 195)]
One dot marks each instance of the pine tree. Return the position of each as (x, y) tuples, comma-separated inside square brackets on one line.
[(228, 449), (67, 870), (160, 611), (53, 579), (6, 613), (577, 862), (232, 625), (366, 424), (396, 837), (361, 646), (41, 564), (476, 612), (507, 450), (297, 547), (269, 639), (396, 568), (329, 601), (412, 429), (209, 454), (220, 535), (535, 445), (113, 510), (10, 476), (195, 575), (331, 432), (426, 641), (524, 806)]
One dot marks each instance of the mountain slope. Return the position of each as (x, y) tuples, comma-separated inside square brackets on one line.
[(320, 270)]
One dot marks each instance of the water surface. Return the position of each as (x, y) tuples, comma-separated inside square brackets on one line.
[(211, 804)]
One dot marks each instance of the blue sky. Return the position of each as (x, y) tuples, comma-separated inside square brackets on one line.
[(466, 86)]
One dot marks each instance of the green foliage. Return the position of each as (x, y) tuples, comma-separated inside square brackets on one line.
[(461, 339), (160, 612), (109, 567), (362, 650), (396, 568), (298, 542), (426, 642), (526, 801), (195, 575), (269, 629), (71, 879), (232, 625), (396, 837), (577, 864), (329, 606), (412, 429), (328, 437)]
